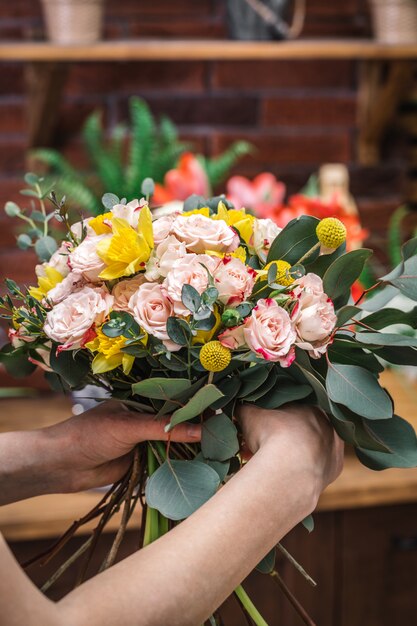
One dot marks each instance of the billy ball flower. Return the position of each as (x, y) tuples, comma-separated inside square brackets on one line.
[(214, 357), (331, 232), (283, 276)]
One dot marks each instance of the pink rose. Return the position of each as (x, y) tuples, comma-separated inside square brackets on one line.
[(85, 260), (69, 321), (308, 285), (315, 323), (124, 290), (269, 332), (163, 257), (264, 233), (189, 270), (200, 233), (130, 211), (232, 338), (162, 228), (58, 261), (69, 285), (234, 281), (151, 308)]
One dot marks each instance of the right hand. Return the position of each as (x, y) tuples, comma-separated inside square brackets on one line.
[(304, 429)]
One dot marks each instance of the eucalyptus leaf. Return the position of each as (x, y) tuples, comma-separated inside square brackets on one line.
[(359, 390), (160, 388), (12, 209), (267, 565), (407, 282), (229, 387), (178, 488), (219, 440), (252, 378), (204, 398), (343, 272), (295, 240), (400, 437), (45, 247), (109, 200), (178, 331), (221, 467), (386, 317), (72, 366), (386, 339), (346, 313), (286, 393), (398, 355), (190, 298), (24, 241), (308, 523)]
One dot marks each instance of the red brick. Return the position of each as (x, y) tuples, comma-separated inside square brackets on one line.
[(204, 110), (12, 155), (161, 8), (11, 78), (287, 148), (282, 74), (181, 29), (18, 265), (12, 115), (102, 78), (310, 110)]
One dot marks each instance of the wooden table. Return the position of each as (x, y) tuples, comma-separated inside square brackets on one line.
[(48, 516)]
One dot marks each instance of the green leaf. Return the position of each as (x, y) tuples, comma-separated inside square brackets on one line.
[(308, 523), (263, 389), (45, 247), (252, 378), (387, 317), (318, 388), (221, 467), (16, 362), (204, 398), (267, 565), (385, 339), (347, 352), (399, 436), (178, 488), (178, 330), (286, 393), (24, 241), (343, 272), (160, 388), (219, 440), (73, 367), (31, 179), (229, 386), (109, 200), (295, 240), (190, 298), (147, 187), (359, 390), (354, 430), (324, 261), (398, 355), (407, 282), (346, 313), (12, 209)]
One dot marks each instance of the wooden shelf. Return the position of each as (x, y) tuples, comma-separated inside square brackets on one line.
[(48, 516), (206, 50)]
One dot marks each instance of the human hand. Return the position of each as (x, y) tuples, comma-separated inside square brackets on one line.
[(304, 430), (90, 450)]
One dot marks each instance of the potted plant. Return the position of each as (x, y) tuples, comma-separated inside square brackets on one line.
[(264, 19), (73, 21), (394, 21)]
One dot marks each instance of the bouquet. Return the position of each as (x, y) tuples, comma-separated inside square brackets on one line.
[(188, 314)]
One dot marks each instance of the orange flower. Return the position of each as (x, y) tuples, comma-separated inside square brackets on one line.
[(183, 181)]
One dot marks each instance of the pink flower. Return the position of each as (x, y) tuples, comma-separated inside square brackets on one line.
[(315, 323), (234, 281), (151, 308), (130, 211), (200, 233), (124, 290), (261, 195), (59, 261), (163, 257), (85, 260), (189, 270), (264, 233), (269, 332), (70, 320), (232, 338), (162, 227), (308, 285), (71, 283)]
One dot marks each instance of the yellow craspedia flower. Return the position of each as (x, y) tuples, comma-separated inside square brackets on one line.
[(109, 353), (331, 232), (45, 283), (98, 223), (283, 272), (127, 251), (214, 357)]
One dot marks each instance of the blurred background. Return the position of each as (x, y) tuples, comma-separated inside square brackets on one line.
[(342, 95)]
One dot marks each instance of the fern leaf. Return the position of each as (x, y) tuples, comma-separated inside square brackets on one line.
[(217, 168), (142, 140)]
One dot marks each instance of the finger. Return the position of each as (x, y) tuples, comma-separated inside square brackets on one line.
[(136, 427)]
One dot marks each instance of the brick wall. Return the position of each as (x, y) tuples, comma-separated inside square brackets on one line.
[(298, 114)]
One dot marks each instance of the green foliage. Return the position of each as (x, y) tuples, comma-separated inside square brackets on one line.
[(400, 438), (343, 272), (195, 406), (153, 149), (178, 488), (219, 440), (295, 241)]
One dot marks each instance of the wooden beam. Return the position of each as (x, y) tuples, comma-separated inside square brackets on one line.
[(45, 82), (381, 90), (205, 50)]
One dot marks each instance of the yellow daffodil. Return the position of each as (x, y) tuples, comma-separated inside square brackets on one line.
[(127, 251), (239, 253), (203, 336), (240, 220), (203, 211), (109, 353), (98, 224), (46, 283)]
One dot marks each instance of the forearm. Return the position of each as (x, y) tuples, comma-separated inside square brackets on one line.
[(29, 465), (186, 575)]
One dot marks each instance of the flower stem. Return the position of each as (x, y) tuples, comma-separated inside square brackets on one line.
[(250, 607), (152, 517), (308, 253)]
